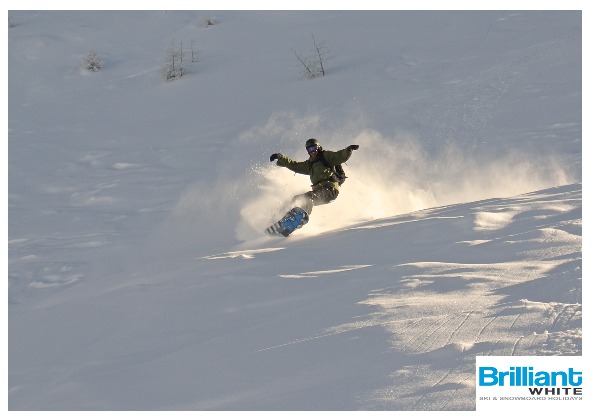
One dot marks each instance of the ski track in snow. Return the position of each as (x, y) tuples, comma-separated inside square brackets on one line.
[(313, 274), (247, 254)]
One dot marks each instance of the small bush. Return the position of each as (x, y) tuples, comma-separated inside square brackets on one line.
[(208, 22), (91, 62)]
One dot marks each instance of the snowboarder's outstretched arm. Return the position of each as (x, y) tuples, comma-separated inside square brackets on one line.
[(340, 156), (299, 167)]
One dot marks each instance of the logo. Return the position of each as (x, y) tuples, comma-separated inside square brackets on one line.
[(525, 376), (547, 382)]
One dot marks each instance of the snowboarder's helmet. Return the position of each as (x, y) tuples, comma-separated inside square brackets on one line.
[(311, 144)]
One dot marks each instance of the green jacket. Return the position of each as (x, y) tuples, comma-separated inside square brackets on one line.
[(320, 175)]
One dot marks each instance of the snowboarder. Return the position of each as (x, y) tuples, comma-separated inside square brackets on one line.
[(320, 166)]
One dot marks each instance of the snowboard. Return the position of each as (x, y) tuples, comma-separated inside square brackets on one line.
[(294, 219)]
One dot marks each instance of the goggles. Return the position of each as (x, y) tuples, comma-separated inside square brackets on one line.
[(311, 149)]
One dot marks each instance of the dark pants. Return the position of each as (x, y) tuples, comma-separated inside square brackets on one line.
[(310, 199)]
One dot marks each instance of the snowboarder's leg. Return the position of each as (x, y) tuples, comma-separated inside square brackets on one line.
[(302, 205), (324, 195), (303, 201), (314, 198)]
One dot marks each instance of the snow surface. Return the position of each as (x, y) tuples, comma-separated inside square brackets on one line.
[(139, 277)]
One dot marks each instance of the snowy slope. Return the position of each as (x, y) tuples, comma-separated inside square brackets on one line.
[(138, 274)]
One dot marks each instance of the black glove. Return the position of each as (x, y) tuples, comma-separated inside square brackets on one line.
[(275, 156), (353, 147)]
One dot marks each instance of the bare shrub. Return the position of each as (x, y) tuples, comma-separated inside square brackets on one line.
[(176, 62), (313, 65)]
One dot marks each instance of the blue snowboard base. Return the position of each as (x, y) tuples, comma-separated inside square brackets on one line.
[(294, 219)]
